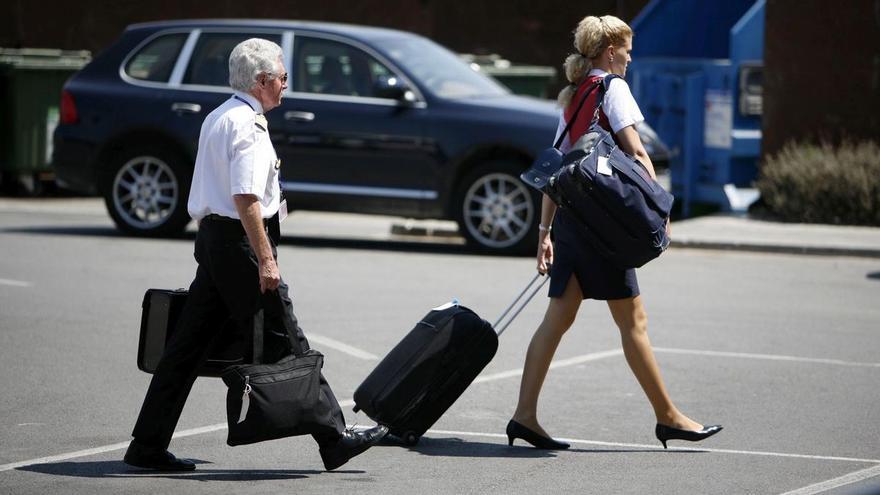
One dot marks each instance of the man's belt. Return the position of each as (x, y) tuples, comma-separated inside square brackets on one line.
[(271, 224)]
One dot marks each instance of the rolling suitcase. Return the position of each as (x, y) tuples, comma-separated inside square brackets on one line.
[(161, 310), (432, 366)]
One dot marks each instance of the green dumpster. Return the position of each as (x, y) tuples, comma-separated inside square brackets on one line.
[(31, 80), (531, 80)]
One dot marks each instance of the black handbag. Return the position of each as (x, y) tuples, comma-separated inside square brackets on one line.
[(276, 400), (622, 211)]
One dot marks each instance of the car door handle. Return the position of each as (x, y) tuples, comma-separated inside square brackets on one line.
[(186, 107), (299, 116)]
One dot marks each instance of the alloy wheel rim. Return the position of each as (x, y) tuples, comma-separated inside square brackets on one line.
[(498, 210), (145, 192)]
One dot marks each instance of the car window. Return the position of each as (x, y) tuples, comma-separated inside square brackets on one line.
[(155, 60), (440, 70), (209, 64), (329, 67)]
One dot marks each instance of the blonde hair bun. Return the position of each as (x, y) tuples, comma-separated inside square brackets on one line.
[(592, 35)]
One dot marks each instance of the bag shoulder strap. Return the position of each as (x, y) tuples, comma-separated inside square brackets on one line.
[(606, 81), (574, 116), (259, 326), (259, 318), (605, 84)]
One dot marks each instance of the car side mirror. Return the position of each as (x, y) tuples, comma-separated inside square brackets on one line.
[(393, 88)]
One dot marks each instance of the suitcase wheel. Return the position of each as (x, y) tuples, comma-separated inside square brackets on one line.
[(410, 438)]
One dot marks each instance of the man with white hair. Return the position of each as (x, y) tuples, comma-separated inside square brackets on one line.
[(236, 198)]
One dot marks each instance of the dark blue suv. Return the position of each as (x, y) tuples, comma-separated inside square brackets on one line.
[(374, 121)]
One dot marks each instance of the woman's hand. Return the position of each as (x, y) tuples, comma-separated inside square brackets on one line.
[(669, 228), (545, 251)]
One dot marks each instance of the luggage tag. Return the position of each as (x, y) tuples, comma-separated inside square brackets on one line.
[(282, 210), (603, 167), (245, 400)]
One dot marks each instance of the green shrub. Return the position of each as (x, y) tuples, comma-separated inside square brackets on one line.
[(824, 183)]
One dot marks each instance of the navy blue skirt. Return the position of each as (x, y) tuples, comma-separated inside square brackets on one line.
[(573, 255)]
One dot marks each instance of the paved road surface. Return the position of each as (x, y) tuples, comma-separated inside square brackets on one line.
[(782, 349)]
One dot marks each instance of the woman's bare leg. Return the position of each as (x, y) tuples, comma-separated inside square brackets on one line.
[(558, 319), (632, 320)]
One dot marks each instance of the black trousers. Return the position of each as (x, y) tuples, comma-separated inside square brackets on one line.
[(226, 284)]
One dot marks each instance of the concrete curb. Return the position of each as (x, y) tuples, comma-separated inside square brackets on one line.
[(778, 249)]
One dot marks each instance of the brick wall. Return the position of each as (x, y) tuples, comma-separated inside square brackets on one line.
[(822, 71)]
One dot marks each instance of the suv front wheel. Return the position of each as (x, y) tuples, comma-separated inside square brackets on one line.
[(496, 211), (145, 191)]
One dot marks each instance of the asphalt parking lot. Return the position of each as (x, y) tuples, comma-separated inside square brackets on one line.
[(781, 349)]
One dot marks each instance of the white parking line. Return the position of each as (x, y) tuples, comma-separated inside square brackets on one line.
[(14, 283), (345, 403), (555, 364), (341, 347), (123, 445), (831, 484), (510, 374), (674, 449), (64, 457), (771, 357)]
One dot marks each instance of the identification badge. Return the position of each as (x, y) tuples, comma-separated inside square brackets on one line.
[(603, 167), (282, 210)]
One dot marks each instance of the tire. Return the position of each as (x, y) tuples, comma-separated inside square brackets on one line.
[(496, 211), (146, 190)]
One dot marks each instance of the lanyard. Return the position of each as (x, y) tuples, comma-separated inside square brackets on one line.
[(239, 98)]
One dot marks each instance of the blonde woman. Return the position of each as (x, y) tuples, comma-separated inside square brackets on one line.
[(576, 271)]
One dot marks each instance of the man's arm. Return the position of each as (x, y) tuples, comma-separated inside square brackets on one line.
[(249, 211)]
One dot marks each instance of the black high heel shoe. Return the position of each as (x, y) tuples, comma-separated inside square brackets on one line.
[(516, 430), (665, 433)]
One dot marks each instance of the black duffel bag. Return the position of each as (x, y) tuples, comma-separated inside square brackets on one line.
[(280, 399), (622, 210)]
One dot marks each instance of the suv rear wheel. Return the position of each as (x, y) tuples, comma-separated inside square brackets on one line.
[(496, 211), (146, 190)]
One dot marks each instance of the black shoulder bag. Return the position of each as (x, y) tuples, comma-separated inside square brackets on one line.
[(276, 400)]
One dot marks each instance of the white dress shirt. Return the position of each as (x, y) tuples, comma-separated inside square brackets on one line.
[(619, 106), (235, 156)]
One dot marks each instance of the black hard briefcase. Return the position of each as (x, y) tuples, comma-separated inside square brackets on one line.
[(161, 310), (622, 210), (431, 367)]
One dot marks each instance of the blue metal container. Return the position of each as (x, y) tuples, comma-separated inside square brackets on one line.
[(696, 74)]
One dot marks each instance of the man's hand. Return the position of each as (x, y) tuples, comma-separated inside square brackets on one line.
[(249, 212), (270, 279)]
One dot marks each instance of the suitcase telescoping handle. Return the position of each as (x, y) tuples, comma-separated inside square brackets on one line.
[(522, 302)]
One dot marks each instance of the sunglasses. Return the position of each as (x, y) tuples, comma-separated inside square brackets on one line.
[(282, 77)]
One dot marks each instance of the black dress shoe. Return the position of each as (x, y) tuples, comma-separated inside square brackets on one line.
[(142, 456), (351, 444), (516, 430), (665, 433)]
